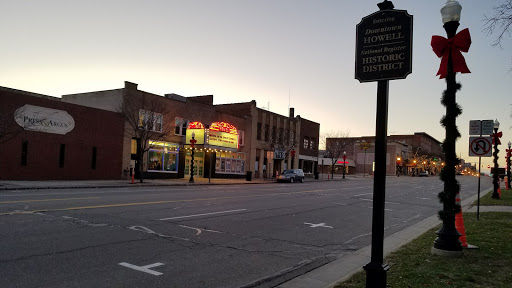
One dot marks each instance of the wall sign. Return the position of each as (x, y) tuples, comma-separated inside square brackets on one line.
[(384, 46), (42, 119)]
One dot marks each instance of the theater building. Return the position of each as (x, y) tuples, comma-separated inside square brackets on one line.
[(43, 138)]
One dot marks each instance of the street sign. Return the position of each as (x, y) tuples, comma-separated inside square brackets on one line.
[(480, 146), (481, 127), (384, 46), (487, 127), (475, 127)]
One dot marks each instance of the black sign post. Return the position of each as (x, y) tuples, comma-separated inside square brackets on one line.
[(383, 53)]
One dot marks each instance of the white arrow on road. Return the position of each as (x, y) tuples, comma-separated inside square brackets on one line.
[(318, 225), (145, 269)]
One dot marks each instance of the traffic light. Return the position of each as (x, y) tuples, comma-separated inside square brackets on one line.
[(488, 166), (292, 153)]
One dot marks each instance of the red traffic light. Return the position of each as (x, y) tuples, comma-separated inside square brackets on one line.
[(488, 166), (292, 153)]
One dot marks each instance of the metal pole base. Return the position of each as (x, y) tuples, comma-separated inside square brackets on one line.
[(447, 241), (376, 274)]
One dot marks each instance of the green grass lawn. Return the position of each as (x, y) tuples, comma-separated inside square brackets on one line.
[(506, 199), (489, 266)]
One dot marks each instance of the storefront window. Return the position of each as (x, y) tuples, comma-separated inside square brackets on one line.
[(230, 163), (163, 157)]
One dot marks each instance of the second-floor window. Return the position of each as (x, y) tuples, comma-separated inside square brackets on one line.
[(180, 126), (150, 121), (258, 131), (306, 143), (312, 144)]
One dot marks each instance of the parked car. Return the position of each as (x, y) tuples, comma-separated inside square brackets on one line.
[(291, 175), (423, 174)]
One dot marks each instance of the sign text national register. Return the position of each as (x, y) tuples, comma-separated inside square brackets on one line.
[(384, 46)]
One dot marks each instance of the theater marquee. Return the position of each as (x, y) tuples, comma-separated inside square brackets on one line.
[(223, 134)]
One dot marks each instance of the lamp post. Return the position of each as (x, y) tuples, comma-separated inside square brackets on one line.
[(509, 151), (495, 175), (345, 161), (192, 142), (447, 242)]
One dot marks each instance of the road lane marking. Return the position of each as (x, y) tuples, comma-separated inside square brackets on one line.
[(162, 202), (149, 231), (198, 230), (317, 225), (145, 269), (363, 194), (198, 215), (47, 200)]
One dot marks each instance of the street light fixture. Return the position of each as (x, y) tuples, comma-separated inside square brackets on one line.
[(447, 242), (495, 175)]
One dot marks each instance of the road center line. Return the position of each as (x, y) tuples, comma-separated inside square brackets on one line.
[(197, 215), (163, 202), (47, 200)]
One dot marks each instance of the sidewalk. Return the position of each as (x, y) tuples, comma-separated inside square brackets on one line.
[(76, 184)]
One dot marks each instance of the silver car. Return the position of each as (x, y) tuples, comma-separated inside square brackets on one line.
[(291, 175)]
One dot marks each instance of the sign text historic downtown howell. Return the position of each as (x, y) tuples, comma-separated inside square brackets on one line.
[(384, 46)]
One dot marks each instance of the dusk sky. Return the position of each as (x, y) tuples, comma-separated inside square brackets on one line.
[(281, 53)]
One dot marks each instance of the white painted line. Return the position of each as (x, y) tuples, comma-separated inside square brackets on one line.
[(318, 225), (198, 229), (144, 268), (424, 198), (363, 194), (197, 215)]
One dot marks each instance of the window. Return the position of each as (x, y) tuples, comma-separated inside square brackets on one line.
[(241, 135), (150, 121), (312, 143), (267, 128), (163, 157), (133, 146), (258, 131), (306, 143), (230, 162), (24, 152), (180, 126), (61, 155), (94, 152), (274, 134)]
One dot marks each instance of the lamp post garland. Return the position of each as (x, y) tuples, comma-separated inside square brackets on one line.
[(344, 162), (192, 142), (509, 151), (495, 176), (452, 62)]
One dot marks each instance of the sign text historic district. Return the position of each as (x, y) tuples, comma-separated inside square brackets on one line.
[(384, 46)]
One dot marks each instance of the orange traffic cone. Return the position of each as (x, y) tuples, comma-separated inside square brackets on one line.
[(459, 224)]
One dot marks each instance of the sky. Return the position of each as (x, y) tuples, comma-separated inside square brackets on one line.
[(281, 53)]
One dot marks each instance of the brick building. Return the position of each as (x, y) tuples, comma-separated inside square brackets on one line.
[(43, 138)]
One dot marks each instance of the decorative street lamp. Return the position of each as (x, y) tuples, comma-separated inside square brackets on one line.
[(345, 161), (495, 176), (509, 151), (447, 242), (192, 142)]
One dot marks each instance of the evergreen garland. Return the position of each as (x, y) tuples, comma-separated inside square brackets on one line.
[(447, 175)]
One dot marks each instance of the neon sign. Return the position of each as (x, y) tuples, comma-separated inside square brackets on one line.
[(195, 125), (223, 127)]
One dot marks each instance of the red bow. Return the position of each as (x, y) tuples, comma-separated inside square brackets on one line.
[(442, 48), (497, 136), (509, 151)]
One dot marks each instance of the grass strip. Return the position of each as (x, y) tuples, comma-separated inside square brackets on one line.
[(505, 200), (489, 266)]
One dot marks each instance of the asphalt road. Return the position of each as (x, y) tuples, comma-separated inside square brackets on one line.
[(200, 236)]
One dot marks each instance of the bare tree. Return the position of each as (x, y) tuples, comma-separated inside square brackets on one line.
[(146, 118), (335, 144), (499, 22)]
